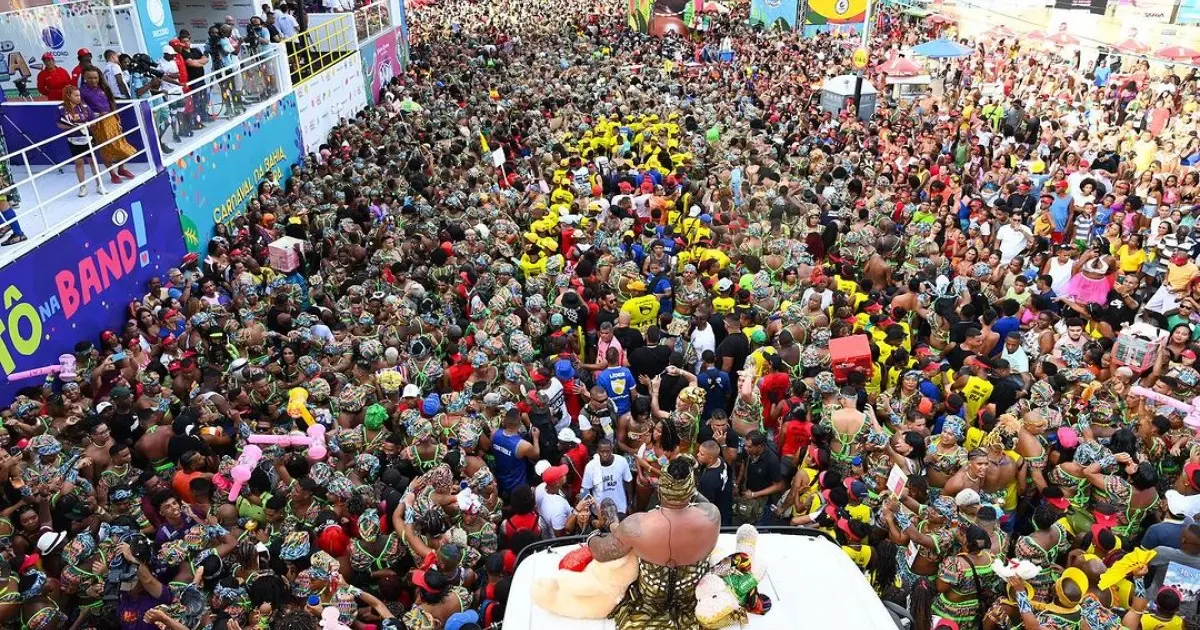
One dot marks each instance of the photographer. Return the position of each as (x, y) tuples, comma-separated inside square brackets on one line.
[(142, 593)]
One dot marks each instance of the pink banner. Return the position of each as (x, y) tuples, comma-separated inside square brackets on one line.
[(386, 63)]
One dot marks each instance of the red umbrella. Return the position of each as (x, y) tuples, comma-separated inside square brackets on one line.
[(1131, 46), (1062, 39), (1177, 53), (938, 18), (1001, 32), (1036, 36), (898, 66)]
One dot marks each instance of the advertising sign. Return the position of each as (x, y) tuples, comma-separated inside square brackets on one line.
[(333, 94), (61, 31), (1096, 7), (381, 62), (158, 27), (198, 15), (76, 285), (1129, 12), (214, 183), (774, 14), (834, 15)]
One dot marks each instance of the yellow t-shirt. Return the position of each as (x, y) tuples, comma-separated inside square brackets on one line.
[(723, 305), (532, 268), (1129, 260), (1178, 277), (761, 362), (977, 391), (643, 311)]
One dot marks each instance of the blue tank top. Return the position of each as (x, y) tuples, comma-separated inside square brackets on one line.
[(1059, 209), (510, 469)]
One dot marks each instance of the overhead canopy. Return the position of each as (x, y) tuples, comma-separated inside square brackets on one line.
[(916, 12), (844, 85), (898, 66), (941, 48)]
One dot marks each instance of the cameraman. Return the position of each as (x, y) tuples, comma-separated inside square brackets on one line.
[(142, 594), (173, 91)]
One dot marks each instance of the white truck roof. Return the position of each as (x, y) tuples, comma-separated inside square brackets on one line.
[(812, 584)]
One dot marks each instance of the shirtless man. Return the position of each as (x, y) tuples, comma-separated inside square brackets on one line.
[(972, 476), (99, 442), (672, 543)]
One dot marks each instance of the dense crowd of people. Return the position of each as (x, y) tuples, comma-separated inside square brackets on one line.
[(560, 255)]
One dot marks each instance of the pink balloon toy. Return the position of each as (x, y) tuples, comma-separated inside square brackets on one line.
[(1192, 419), (241, 471), (314, 440), (65, 370)]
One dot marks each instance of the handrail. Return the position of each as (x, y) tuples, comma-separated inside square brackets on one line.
[(62, 134)]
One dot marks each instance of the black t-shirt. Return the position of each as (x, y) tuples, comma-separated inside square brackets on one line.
[(1004, 393), (732, 439), (737, 346), (763, 472), (630, 339), (125, 427), (194, 72), (273, 324), (716, 485), (648, 361), (668, 391), (576, 317), (958, 356), (605, 315), (1118, 312)]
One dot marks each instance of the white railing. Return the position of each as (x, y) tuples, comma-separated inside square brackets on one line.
[(222, 94), (48, 194)]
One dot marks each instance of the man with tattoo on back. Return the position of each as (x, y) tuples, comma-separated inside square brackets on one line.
[(672, 543)]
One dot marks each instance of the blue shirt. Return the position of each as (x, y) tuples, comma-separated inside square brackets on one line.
[(1002, 327), (618, 382), (716, 386)]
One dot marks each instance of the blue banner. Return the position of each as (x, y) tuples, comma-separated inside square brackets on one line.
[(158, 26), (780, 14), (215, 182), (77, 285), (1188, 12)]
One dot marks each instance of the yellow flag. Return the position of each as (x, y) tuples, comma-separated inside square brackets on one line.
[(483, 143)]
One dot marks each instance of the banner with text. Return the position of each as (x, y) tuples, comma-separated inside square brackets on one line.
[(60, 30), (1096, 7), (381, 62), (333, 94), (834, 15), (774, 14), (215, 182), (76, 285), (198, 15)]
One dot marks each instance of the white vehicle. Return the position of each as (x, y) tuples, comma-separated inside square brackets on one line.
[(812, 583)]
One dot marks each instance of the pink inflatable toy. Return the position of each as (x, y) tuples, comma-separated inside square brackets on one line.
[(65, 370), (314, 440), (241, 471), (1192, 419)]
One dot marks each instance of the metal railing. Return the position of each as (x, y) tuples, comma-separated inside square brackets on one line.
[(221, 94), (322, 45), (371, 19), (30, 188)]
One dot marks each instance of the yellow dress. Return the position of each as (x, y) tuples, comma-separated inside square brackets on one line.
[(662, 598)]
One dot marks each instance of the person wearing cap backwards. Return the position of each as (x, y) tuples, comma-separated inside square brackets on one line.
[(552, 506), (52, 78), (85, 61)]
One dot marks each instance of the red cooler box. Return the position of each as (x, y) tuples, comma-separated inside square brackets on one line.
[(847, 354)]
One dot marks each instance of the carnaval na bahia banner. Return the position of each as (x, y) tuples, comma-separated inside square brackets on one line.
[(76, 285), (214, 183), (774, 14), (834, 15)]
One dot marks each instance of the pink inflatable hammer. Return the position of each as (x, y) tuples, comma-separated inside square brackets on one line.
[(1192, 419), (241, 471), (65, 370), (314, 440)]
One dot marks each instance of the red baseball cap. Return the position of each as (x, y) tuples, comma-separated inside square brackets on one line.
[(1060, 503), (1191, 471), (555, 473), (83, 51), (419, 580), (46, 56)]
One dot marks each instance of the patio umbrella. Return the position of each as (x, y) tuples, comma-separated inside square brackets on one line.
[(938, 18), (941, 49), (1001, 31), (1131, 46), (1036, 36), (1177, 53), (1062, 39), (409, 106), (898, 66)]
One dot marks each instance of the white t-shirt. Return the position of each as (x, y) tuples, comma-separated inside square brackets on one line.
[(703, 340), (826, 297), (608, 482), (1012, 241), (553, 508)]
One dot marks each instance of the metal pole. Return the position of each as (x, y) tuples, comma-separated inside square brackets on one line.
[(866, 29)]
